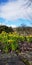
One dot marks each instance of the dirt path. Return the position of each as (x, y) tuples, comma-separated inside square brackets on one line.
[(11, 61)]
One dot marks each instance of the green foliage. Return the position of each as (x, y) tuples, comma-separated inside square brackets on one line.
[(30, 39), (9, 41), (5, 49), (21, 38)]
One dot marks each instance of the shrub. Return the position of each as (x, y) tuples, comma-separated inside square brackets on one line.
[(13, 44)]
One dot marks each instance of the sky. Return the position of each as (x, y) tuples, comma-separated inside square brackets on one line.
[(16, 12)]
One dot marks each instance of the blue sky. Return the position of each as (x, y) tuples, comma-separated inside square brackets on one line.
[(16, 12)]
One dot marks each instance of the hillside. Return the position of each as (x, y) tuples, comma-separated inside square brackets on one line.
[(24, 30), (20, 30), (5, 28)]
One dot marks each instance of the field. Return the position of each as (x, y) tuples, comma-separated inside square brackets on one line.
[(11, 41), (16, 46)]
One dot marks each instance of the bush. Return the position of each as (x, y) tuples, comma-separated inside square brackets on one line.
[(13, 44), (10, 41)]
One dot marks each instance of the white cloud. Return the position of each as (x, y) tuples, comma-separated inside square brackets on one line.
[(13, 26), (15, 10)]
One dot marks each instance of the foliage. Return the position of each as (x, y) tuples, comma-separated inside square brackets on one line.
[(6, 29), (9, 41)]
